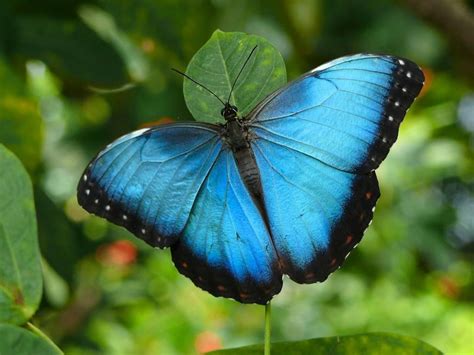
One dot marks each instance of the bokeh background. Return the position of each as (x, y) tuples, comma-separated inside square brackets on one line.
[(76, 74)]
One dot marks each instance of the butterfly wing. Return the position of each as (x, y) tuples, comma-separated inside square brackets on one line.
[(147, 180), (345, 113), (226, 248), (316, 213), (316, 144)]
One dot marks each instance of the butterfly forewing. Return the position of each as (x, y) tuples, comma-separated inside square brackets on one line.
[(345, 113), (147, 181)]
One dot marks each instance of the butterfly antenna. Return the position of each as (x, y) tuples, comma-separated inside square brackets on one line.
[(240, 72), (195, 82)]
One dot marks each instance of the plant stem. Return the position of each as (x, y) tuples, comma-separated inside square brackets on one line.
[(268, 328), (38, 332)]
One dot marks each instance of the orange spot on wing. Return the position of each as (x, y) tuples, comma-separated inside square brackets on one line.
[(348, 239), (243, 295)]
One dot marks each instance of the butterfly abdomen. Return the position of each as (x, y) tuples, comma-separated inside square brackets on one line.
[(249, 171), (237, 138)]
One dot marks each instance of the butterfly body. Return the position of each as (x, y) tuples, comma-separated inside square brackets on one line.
[(288, 189), (236, 134)]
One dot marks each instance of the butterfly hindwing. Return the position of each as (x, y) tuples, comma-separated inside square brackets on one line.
[(226, 248), (345, 113), (147, 180), (317, 214)]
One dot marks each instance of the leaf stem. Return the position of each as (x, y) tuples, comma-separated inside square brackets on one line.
[(268, 328), (38, 332)]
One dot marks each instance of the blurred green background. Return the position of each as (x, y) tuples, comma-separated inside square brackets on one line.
[(76, 74)]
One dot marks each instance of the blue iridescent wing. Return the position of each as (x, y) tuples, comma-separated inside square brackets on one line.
[(345, 113), (226, 248), (316, 213), (317, 142), (147, 180)]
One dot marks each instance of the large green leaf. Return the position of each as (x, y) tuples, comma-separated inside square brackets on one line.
[(373, 343), (217, 64), (21, 126), (19, 341), (20, 268)]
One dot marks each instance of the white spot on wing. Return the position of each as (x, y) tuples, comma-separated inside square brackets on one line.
[(84, 177), (124, 217), (88, 191), (402, 62), (107, 208)]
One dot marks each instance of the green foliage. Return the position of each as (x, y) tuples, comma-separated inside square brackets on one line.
[(217, 64), (20, 268), (20, 122), (21, 280), (70, 48), (15, 340), (369, 344)]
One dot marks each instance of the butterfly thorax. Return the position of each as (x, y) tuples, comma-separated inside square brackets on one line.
[(235, 130)]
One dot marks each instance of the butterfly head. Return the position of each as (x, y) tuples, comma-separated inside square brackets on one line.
[(229, 112)]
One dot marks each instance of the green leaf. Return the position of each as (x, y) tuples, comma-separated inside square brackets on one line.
[(20, 267), (217, 64), (372, 343), (19, 341), (20, 121)]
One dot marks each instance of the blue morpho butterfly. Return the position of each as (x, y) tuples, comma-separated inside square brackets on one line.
[(289, 189)]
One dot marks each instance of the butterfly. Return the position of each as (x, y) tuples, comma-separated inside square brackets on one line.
[(287, 190)]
